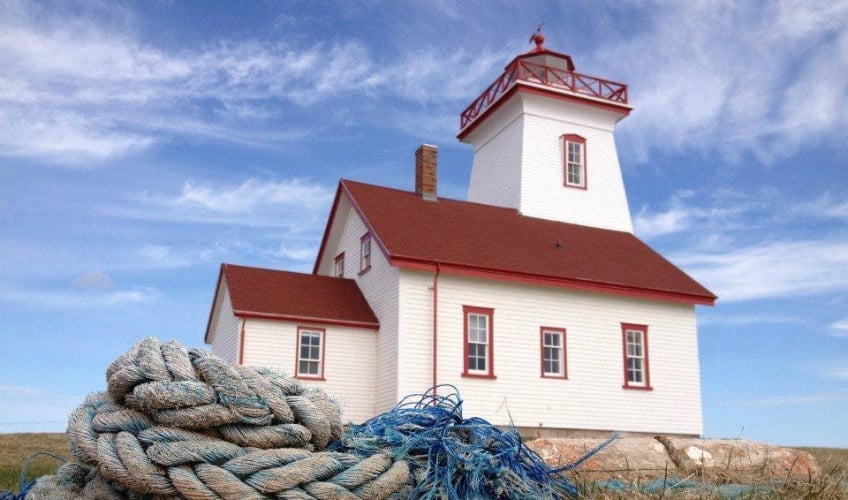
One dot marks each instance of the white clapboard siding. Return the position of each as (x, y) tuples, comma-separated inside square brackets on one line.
[(592, 398), (379, 286), (348, 360), (225, 326), (518, 162)]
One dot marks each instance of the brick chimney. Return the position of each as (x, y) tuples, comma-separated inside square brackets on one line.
[(425, 171)]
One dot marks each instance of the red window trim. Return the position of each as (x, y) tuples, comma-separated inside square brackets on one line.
[(466, 310), (564, 360), (323, 346), (363, 266), (339, 257), (566, 138), (644, 330)]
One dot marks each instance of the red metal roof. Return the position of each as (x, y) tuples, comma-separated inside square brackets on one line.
[(267, 293), (497, 242)]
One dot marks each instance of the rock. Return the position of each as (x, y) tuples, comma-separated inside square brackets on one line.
[(739, 459), (628, 458), (709, 460)]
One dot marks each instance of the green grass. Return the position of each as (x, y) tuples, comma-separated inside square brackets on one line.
[(15, 448)]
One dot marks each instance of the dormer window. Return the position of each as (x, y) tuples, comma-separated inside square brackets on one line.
[(574, 160)]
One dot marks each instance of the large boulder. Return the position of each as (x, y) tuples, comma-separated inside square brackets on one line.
[(739, 459), (629, 458), (709, 460)]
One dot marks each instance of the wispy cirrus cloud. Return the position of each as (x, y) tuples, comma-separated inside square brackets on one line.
[(714, 68), (770, 270), (747, 319), (63, 298), (839, 328), (800, 400), (80, 89), (294, 204)]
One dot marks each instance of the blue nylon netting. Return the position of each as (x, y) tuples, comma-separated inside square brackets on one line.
[(457, 458)]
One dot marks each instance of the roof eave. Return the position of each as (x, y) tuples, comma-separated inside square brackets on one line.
[(556, 281), (372, 325)]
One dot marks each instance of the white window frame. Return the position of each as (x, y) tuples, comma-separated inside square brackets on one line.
[(315, 353), (574, 161), (550, 347), (637, 374), (365, 253), (483, 348)]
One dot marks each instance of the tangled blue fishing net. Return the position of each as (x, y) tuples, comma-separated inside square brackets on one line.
[(457, 458)]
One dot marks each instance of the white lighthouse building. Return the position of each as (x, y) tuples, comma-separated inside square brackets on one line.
[(533, 297)]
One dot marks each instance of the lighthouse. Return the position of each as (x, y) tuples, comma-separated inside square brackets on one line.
[(543, 139)]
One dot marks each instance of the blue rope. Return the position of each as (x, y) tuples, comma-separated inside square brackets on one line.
[(455, 458)]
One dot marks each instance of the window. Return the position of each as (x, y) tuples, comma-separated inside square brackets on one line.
[(553, 352), (635, 340), (310, 353), (479, 342), (365, 253), (340, 265), (574, 159)]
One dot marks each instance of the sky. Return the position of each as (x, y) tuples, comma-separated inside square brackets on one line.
[(143, 144)]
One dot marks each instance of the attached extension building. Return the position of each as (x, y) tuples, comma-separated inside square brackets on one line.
[(533, 297)]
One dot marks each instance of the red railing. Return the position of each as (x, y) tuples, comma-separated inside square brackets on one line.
[(548, 76)]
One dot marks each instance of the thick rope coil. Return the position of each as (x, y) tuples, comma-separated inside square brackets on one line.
[(181, 423), (191, 389)]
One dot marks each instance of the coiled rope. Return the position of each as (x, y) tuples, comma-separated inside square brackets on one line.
[(179, 422)]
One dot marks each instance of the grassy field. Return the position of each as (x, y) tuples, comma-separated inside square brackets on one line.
[(15, 448)]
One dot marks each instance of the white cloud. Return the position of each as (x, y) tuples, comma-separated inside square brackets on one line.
[(253, 194), (653, 224), (297, 205), (80, 89), (802, 400), (296, 253), (778, 269), (733, 79), (826, 205), (35, 409), (839, 328), (94, 279), (841, 374), (67, 299), (685, 213), (745, 319)]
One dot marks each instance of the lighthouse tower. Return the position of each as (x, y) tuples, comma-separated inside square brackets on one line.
[(543, 142)]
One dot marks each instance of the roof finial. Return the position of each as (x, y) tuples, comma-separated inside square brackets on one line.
[(538, 37)]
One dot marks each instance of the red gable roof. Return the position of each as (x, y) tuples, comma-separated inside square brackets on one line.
[(484, 240), (266, 293)]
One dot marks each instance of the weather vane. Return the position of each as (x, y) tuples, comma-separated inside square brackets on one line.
[(538, 37)]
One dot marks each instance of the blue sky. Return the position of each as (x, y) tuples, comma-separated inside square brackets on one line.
[(142, 144)]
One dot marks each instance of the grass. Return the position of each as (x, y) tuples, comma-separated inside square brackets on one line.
[(15, 448)]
